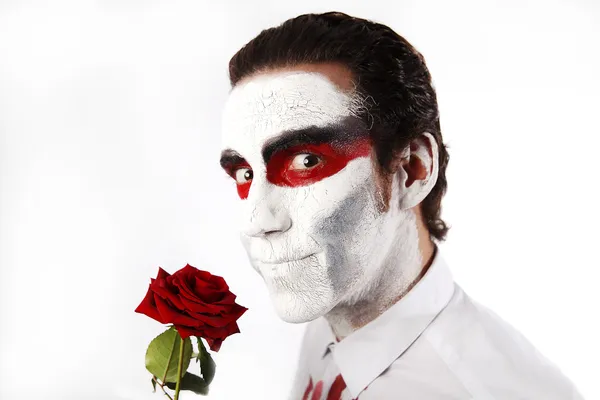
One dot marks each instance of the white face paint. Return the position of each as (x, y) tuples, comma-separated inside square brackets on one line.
[(321, 241)]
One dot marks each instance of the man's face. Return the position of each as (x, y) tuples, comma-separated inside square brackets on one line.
[(312, 225)]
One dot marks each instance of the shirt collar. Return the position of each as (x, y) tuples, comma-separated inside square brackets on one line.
[(367, 352)]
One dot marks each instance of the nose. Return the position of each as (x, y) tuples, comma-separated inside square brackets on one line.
[(265, 214)]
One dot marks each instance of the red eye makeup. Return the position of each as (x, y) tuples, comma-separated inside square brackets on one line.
[(302, 157), (303, 165), (239, 169)]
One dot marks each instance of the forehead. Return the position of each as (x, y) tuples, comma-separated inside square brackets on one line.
[(266, 105)]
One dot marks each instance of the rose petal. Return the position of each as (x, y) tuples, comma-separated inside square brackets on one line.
[(167, 291), (162, 274), (200, 286), (238, 311), (219, 282), (204, 308), (207, 292), (148, 307), (195, 289), (186, 331), (216, 321), (229, 298), (172, 315), (214, 344), (189, 271), (186, 289), (220, 333)]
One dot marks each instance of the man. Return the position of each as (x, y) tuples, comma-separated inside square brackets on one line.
[(332, 135)]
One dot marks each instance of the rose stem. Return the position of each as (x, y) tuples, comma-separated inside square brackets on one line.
[(179, 368), (163, 388)]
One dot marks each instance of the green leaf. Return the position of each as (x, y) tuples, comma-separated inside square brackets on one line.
[(192, 383), (207, 364), (153, 384), (162, 356)]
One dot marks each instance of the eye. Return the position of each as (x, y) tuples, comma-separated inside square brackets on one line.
[(242, 175), (304, 161)]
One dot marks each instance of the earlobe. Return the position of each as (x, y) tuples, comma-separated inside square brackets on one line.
[(419, 171)]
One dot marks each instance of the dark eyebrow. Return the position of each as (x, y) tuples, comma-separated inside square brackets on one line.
[(337, 134), (230, 159)]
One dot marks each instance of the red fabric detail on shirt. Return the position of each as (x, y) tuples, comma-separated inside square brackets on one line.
[(309, 389), (318, 390), (335, 392)]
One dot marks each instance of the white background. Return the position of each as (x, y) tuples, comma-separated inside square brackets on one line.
[(109, 146)]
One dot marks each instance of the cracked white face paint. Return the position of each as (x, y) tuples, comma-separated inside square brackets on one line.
[(311, 224)]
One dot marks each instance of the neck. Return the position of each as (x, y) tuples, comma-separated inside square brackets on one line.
[(400, 273)]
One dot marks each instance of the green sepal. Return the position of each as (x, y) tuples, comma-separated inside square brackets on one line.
[(162, 356), (207, 364), (191, 382)]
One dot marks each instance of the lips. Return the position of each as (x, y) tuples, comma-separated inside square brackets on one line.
[(285, 260)]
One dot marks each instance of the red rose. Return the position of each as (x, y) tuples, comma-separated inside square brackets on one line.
[(196, 302)]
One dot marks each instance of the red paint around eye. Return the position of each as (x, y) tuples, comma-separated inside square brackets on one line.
[(332, 160), (242, 188)]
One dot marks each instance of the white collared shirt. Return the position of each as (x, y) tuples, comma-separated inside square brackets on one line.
[(435, 343)]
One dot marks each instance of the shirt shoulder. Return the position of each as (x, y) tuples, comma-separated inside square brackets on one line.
[(490, 358), (420, 373)]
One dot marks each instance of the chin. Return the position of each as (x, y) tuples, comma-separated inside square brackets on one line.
[(298, 308)]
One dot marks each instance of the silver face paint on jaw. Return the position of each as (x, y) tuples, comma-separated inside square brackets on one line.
[(324, 244)]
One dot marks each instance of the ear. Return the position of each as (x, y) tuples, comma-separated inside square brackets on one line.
[(418, 171)]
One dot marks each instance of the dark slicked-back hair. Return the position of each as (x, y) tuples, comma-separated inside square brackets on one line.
[(387, 71)]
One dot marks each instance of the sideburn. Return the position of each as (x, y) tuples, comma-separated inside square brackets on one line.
[(384, 178)]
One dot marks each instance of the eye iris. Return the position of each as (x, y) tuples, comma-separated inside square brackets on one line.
[(310, 160), (248, 175)]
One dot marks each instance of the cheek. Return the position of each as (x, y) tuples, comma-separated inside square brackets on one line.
[(335, 209)]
